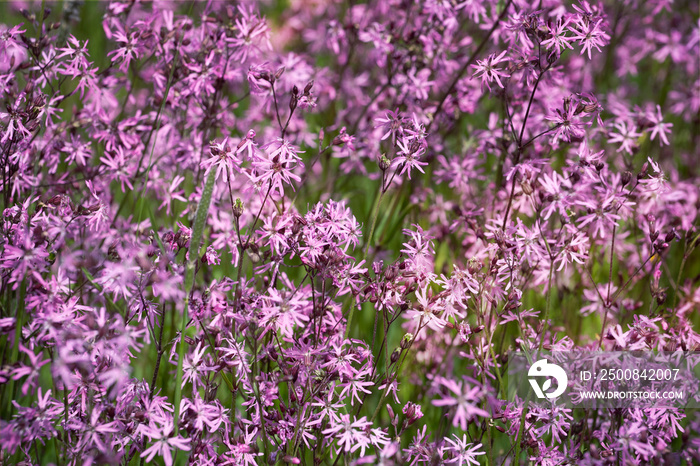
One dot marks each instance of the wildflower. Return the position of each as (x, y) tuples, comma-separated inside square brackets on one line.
[(558, 38), (461, 395), (164, 442), (350, 434), (391, 123), (463, 452), (626, 136), (276, 169), (407, 157), (589, 32), (488, 72), (424, 313), (659, 128), (224, 159), (356, 383), (194, 367)]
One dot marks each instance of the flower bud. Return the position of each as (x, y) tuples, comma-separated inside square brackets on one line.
[(308, 87), (412, 412), (406, 340), (626, 177), (238, 208), (661, 298), (643, 172), (383, 162), (395, 355), (266, 76), (474, 265), (671, 235), (390, 410)]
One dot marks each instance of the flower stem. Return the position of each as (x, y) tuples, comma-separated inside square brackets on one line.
[(375, 214), (193, 255)]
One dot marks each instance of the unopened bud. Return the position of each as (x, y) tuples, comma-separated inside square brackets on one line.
[(383, 162), (406, 340), (412, 412), (395, 355), (626, 178), (266, 76), (643, 172), (238, 208), (671, 235), (661, 298), (391, 411)]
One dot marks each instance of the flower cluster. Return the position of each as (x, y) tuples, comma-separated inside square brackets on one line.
[(236, 233)]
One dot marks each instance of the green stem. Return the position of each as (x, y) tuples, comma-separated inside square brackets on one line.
[(375, 214), (549, 301), (195, 242), (516, 459)]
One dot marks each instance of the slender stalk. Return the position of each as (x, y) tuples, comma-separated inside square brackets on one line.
[(519, 439), (195, 242), (465, 67), (369, 242)]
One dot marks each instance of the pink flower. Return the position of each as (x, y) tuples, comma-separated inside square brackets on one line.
[(464, 398), (463, 452), (224, 159), (351, 435), (488, 72), (164, 442)]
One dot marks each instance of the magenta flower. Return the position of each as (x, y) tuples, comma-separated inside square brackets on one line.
[(462, 452), (337, 310), (588, 29), (659, 128), (558, 38), (224, 158), (163, 442), (464, 398), (489, 72), (350, 435)]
